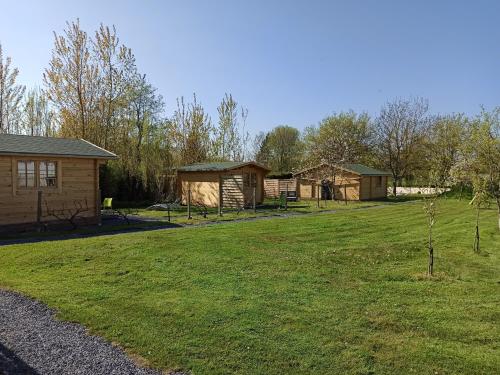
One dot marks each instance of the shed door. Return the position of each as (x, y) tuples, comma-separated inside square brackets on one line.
[(232, 191)]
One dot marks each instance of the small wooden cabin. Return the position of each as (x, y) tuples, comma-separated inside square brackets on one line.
[(42, 176), (231, 184), (349, 182)]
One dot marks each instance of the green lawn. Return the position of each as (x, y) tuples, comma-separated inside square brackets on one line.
[(333, 293)]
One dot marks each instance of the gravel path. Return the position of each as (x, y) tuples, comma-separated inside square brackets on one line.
[(32, 341)]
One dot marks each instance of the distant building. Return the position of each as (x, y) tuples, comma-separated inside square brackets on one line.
[(347, 182)]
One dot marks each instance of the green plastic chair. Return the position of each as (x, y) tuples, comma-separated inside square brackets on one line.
[(107, 204)]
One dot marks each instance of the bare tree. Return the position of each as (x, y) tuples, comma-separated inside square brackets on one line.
[(117, 73), (190, 129), (430, 210), (11, 95), (478, 201), (38, 118), (245, 136), (69, 214), (227, 140), (72, 82), (400, 128)]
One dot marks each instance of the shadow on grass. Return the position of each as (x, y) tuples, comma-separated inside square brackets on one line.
[(401, 198), (11, 364), (110, 226)]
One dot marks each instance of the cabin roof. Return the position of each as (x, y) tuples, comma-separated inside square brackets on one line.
[(11, 144), (219, 166), (358, 169)]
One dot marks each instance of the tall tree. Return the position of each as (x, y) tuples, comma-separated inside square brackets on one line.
[(145, 109), (11, 95), (281, 149), (341, 138), (117, 73), (400, 128), (191, 129), (227, 143), (483, 149), (444, 142), (72, 83), (38, 118)]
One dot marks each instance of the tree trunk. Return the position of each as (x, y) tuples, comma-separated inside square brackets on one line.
[(394, 186), (476, 238), (430, 268)]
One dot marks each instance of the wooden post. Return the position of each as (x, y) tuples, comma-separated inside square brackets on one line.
[(318, 194), (286, 197), (98, 208), (325, 199), (345, 193), (254, 205), (220, 197), (189, 202), (168, 212), (39, 210)]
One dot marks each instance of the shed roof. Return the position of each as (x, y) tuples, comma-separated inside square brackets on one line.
[(11, 144), (219, 166), (363, 170), (358, 169)]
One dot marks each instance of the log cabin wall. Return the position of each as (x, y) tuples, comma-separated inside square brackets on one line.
[(77, 181)]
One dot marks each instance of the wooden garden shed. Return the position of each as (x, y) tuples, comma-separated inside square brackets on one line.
[(231, 184), (44, 179), (349, 181)]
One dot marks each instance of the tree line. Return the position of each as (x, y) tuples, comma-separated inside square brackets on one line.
[(93, 89), (414, 146)]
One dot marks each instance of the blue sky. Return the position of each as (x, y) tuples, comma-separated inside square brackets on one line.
[(288, 62)]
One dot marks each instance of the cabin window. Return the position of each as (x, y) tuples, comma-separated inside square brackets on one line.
[(26, 173), (47, 174), (379, 181)]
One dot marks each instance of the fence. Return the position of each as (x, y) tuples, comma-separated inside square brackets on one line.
[(274, 187)]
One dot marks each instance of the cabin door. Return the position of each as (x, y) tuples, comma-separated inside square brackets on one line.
[(249, 186)]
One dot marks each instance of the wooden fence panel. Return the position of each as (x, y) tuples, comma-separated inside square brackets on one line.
[(273, 187), (232, 191)]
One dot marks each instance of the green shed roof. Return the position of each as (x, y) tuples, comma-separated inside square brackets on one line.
[(359, 169), (11, 144), (363, 170), (219, 166)]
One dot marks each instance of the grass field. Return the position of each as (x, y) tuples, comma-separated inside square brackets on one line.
[(333, 293)]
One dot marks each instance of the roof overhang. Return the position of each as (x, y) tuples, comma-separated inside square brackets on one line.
[(342, 168), (52, 155)]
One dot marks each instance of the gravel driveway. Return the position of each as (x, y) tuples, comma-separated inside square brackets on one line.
[(32, 341)]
